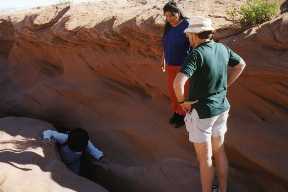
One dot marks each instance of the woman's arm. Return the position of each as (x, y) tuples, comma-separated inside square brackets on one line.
[(163, 63)]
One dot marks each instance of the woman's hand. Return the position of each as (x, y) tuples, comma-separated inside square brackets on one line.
[(163, 67), (163, 63)]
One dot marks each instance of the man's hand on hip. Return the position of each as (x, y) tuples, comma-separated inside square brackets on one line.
[(186, 106)]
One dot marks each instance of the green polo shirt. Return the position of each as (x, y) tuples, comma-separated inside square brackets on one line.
[(206, 66)]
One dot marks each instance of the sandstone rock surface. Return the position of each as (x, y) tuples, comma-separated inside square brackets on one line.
[(97, 66)]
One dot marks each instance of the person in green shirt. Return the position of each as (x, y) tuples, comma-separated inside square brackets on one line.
[(207, 107)]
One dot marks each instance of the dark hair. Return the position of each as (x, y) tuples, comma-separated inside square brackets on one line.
[(171, 7), (78, 140), (206, 35), (284, 7)]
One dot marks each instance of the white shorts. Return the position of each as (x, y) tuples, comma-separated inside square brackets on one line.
[(201, 130)]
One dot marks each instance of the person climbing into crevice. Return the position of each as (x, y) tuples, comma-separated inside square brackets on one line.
[(74, 147), (175, 49)]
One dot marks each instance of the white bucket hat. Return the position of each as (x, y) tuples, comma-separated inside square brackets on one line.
[(198, 24)]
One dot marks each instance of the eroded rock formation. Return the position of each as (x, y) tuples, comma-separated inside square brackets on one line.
[(97, 66)]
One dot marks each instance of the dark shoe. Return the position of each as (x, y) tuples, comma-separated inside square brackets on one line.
[(179, 122), (173, 119), (215, 188)]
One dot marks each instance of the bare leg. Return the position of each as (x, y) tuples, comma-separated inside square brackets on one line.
[(204, 156), (221, 161)]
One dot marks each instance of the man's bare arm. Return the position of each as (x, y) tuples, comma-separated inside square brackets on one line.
[(235, 72), (178, 85)]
